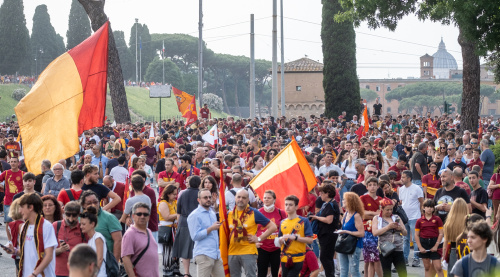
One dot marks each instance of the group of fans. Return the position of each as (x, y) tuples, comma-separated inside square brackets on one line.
[(137, 199)]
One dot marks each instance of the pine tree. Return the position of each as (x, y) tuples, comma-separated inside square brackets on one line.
[(340, 80), (144, 41), (14, 37), (45, 42), (126, 58), (78, 26)]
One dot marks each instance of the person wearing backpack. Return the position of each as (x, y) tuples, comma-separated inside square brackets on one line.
[(74, 193), (69, 235), (88, 222), (478, 262)]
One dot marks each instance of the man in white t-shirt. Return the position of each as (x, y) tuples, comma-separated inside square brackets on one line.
[(119, 172), (31, 265), (412, 198), (231, 194)]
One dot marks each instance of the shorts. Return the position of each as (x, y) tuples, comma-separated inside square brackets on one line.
[(427, 244), (370, 248), (6, 217)]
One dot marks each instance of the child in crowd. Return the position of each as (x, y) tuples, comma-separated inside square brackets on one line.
[(428, 236)]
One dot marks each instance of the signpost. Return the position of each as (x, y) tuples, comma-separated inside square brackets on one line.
[(160, 91)]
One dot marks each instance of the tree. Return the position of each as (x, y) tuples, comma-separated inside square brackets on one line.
[(95, 11), (78, 25), (14, 37), (340, 80), (126, 58), (45, 42), (368, 94), (147, 53), (262, 89), (172, 73), (476, 20)]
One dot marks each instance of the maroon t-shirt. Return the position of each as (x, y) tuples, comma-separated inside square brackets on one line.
[(276, 216)]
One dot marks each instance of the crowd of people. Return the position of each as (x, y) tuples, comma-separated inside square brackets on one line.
[(146, 203)]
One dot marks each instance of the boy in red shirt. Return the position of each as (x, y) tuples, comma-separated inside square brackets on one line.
[(428, 236), (371, 203)]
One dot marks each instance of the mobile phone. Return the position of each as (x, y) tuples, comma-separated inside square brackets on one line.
[(3, 246), (397, 221), (62, 242)]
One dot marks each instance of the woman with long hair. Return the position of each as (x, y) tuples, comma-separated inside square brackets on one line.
[(258, 165), (431, 181), (209, 182), (88, 222), (341, 157), (150, 151), (440, 154), (349, 169), (352, 224), (136, 164), (167, 212), (271, 153), (52, 210), (389, 159), (389, 228), (452, 229), (320, 161)]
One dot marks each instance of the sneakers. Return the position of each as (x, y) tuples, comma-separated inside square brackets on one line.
[(416, 263), (407, 263), (394, 270)]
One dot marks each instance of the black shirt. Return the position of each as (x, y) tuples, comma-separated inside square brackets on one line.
[(326, 230), (481, 198), (100, 189), (160, 166), (360, 189), (454, 164), (111, 164), (444, 196), (18, 195), (377, 109)]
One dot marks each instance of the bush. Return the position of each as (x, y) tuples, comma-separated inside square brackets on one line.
[(213, 101), (18, 94)]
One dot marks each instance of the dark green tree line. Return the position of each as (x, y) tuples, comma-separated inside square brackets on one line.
[(78, 25), (14, 38)]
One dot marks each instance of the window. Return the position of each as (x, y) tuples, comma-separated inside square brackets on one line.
[(377, 88), (426, 73), (388, 109), (492, 112), (367, 86), (388, 88), (298, 88), (427, 64)]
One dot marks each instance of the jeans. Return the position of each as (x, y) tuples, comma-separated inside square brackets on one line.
[(418, 183), (410, 229), (394, 258), (6, 218), (347, 187), (267, 258), (327, 251), (247, 262), (350, 263), (315, 247), (293, 271)]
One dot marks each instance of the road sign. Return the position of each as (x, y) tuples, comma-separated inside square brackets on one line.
[(161, 91)]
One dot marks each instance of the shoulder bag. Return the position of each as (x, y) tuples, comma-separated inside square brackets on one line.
[(386, 248), (123, 273), (346, 244)]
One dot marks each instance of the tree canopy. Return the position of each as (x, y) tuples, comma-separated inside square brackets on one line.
[(14, 37), (126, 58), (172, 73), (78, 25), (144, 42)]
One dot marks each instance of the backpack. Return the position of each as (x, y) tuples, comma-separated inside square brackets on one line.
[(465, 265), (70, 195), (234, 192), (112, 267)]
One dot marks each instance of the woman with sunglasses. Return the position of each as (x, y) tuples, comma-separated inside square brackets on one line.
[(441, 154), (431, 181), (271, 153), (88, 222)]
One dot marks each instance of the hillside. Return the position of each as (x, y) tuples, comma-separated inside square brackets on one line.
[(142, 108)]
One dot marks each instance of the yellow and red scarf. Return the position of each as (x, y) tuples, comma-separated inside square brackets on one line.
[(239, 227), (38, 238)]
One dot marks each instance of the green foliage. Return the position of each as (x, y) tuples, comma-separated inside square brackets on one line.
[(148, 52), (78, 25), (190, 82), (368, 94), (496, 150), (45, 43), (18, 94), (340, 80), (126, 58), (424, 89), (213, 101), (14, 37), (172, 73)]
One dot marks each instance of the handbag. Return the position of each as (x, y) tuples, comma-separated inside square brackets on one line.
[(164, 234), (346, 244), (386, 248), (402, 214)]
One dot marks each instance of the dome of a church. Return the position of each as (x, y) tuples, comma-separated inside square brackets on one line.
[(443, 59)]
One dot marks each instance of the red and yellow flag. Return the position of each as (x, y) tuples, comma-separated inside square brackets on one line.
[(224, 227), (186, 104), (431, 128), (68, 98), (288, 173)]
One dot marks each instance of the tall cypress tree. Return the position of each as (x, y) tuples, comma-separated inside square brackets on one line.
[(144, 39), (45, 42), (78, 26), (126, 58), (340, 80), (14, 37)]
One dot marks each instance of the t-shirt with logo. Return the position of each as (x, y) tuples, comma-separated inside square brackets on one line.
[(31, 254), (250, 221), (13, 184), (302, 229), (276, 216), (443, 196), (167, 177), (371, 205)]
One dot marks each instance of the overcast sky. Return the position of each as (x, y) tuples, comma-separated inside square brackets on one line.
[(380, 53)]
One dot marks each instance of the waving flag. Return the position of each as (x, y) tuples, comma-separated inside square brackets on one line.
[(186, 104), (224, 227), (431, 128), (68, 98), (288, 173), (364, 124), (211, 136)]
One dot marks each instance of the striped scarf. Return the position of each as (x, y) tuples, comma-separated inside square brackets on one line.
[(38, 238)]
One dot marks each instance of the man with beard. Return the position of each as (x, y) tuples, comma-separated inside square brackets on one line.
[(91, 178), (69, 235), (446, 195)]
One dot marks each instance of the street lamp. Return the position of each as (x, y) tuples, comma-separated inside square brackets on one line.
[(136, 69)]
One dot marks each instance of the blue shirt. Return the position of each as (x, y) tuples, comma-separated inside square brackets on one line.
[(103, 159), (53, 187), (204, 244), (488, 159)]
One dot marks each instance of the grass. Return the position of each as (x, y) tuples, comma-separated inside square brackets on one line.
[(142, 108)]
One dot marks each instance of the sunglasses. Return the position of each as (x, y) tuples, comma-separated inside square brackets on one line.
[(449, 149), (206, 197), (142, 214), (473, 143), (372, 172), (72, 214), (468, 148)]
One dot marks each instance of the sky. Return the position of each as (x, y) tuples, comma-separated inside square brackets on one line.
[(380, 53)]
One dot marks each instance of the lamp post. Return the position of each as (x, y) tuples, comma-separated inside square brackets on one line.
[(136, 69)]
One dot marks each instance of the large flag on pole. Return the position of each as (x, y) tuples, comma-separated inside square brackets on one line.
[(68, 98), (186, 104), (224, 227), (364, 124), (288, 173), (431, 128), (212, 136)]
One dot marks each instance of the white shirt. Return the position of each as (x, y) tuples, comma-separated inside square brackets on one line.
[(97, 235), (119, 173), (410, 197), (231, 199), (30, 254), (350, 171)]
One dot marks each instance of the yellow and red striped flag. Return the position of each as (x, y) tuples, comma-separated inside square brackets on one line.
[(68, 98), (186, 104), (288, 173), (431, 128), (224, 227)]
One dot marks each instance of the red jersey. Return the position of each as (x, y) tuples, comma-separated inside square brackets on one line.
[(167, 177), (398, 171), (13, 184), (464, 186), (429, 228), (312, 201), (276, 216), (204, 112), (371, 205), (186, 173), (12, 146), (473, 163), (433, 183), (64, 197)]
